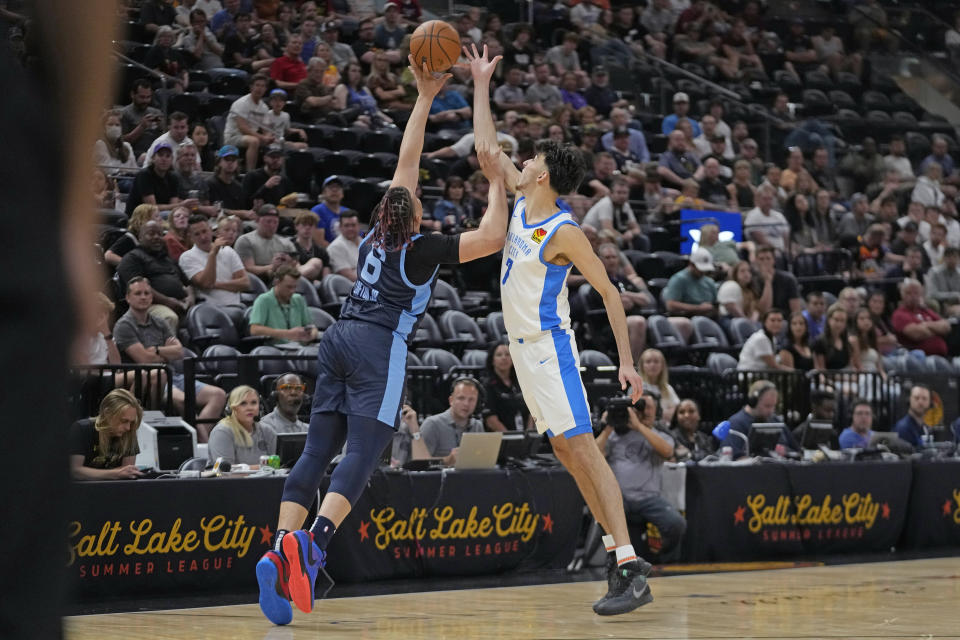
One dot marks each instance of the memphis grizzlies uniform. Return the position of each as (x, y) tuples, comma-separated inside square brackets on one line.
[(362, 359), (536, 314)]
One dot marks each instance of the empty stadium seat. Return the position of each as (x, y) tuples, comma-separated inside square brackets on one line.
[(443, 360), (494, 327), (593, 358), (321, 319), (460, 331), (272, 365), (445, 297), (334, 289), (720, 362), (740, 329), (428, 333), (306, 289)]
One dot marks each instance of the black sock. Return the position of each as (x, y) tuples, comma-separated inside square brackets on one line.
[(278, 539), (322, 531)]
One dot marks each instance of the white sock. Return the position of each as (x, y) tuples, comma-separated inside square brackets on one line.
[(625, 554), (609, 544)]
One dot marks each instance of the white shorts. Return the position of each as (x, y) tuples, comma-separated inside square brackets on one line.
[(548, 369)]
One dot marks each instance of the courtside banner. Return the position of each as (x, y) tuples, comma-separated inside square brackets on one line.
[(153, 536), (454, 523), (790, 510), (934, 514)]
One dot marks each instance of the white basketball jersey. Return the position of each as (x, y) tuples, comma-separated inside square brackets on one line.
[(533, 291)]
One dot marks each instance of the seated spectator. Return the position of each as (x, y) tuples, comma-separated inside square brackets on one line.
[(713, 187), (228, 228), (570, 92), (105, 447), (193, 183), (171, 293), (155, 14), (822, 225), (613, 213), (928, 189), (224, 188), (281, 313), (765, 225), (288, 70), (268, 184), (205, 153), (761, 407), (636, 457), (943, 283), (620, 119), (157, 184), (690, 442), (628, 163), (563, 57), (886, 338), (451, 211), (385, 85), (214, 268), (177, 238), (597, 183), (939, 154), (865, 167), (872, 256), (860, 431), (408, 442), (175, 137), (795, 352), (738, 298), (313, 259), (354, 92), (239, 438), (449, 110), (854, 223), (814, 314), (101, 349), (916, 326), (390, 33), (131, 238), (936, 244), (725, 252), (277, 121), (600, 95), (912, 428), (341, 53), (344, 251), (803, 233), (823, 406), (262, 250), (238, 47), (786, 291), (110, 149), (314, 95), (691, 291), (654, 372), (442, 432), (912, 267), (824, 175), (633, 295), (833, 349), (897, 159), (330, 210), (681, 109), (200, 44), (288, 390), (864, 339), (163, 58), (830, 51), (245, 122), (223, 22), (678, 163), (509, 96), (759, 351), (146, 340), (141, 120), (542, 96), (504, 409)]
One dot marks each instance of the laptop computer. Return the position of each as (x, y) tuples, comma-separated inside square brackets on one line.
[(478, 451)]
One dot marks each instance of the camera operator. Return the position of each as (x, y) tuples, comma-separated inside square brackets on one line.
[(636, 447)]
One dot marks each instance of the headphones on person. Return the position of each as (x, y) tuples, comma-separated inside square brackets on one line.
[(757, 390), (481, 393), (272, 398), (227, 411)]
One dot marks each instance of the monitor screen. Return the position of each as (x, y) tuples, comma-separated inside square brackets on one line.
[(764, 437), (289, 448), (817, 433), (730, 224)]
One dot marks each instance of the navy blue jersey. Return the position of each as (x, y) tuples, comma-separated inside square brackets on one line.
[(393, 288)]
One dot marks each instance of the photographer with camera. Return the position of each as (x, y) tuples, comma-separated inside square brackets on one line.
[(636, 448)]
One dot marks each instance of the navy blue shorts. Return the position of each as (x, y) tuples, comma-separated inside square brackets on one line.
[(361, 371)]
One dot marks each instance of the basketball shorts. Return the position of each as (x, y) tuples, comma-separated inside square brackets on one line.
[(361, 371), (548, 369)]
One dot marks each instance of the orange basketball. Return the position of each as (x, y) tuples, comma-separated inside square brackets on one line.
[(436, 43)]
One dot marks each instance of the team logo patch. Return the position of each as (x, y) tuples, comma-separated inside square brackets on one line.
[(539, 235)]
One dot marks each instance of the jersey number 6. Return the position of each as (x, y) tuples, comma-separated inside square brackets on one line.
[(372, 265)]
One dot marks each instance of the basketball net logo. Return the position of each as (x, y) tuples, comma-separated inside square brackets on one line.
[(539, 235)]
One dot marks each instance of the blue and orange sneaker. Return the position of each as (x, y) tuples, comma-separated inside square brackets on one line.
[(305, 559), (273, 572)]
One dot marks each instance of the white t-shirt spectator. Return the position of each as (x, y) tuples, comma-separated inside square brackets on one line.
[(567, 62), (170, 141), (603, 210), (194, 261), (343, 254), (254, 113), (756, 346), (774, 226), (900, 164), (277, 124), (102, 157), (730, 291)]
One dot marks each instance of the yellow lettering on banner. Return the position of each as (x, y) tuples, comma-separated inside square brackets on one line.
[(138, 530), (512, 520), (389, 531), (866, 509), (99, 545), (220, 533), (767, 515), (854, 508), (956, 513)]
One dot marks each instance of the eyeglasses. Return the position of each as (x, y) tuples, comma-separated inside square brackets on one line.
[(291, 387)]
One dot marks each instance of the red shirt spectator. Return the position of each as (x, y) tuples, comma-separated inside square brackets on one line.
[(288, 70), (916, 326)]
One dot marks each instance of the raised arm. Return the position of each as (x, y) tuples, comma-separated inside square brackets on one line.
[(490, 235), (429, 84), (483, 126)]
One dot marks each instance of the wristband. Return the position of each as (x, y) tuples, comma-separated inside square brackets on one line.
[(416, 436)]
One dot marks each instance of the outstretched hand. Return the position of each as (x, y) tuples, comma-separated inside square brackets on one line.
[(629, 378), (489, 158), (428, 82), (481, 68)]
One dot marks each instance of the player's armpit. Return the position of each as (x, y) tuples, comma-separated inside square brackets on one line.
[(511, 174)]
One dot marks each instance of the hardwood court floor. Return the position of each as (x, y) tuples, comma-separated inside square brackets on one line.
[(910, 599)]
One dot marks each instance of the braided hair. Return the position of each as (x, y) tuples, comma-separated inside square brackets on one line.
[(393, 217)]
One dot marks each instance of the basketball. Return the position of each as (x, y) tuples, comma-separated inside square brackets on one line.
[(435, 43)]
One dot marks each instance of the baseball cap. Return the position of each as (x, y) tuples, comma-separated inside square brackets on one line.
[(718, 137), (858, 197), (910, 225), (330, 25), (228, 150), (621, 132), (590, 130), (680, 96), (267, 210), (331, 180), (702, 259), (163, 145), (599, 70), (278, 92), (274, 149)]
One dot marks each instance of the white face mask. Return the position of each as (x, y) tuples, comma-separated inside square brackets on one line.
[(113, 132)]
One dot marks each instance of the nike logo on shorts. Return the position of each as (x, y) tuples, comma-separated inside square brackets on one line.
[(543, 361)]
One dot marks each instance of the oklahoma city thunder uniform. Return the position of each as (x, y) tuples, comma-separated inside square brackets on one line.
[(362, 359), (536, 314)]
